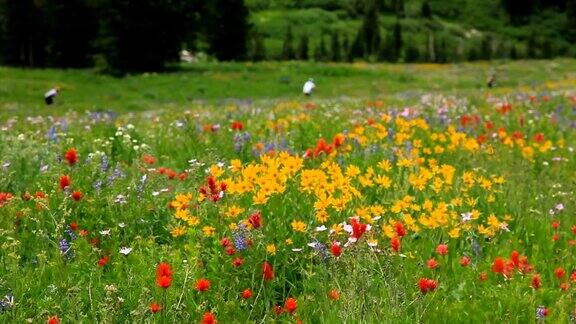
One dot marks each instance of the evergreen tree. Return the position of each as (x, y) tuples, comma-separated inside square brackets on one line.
[(486, 48), (400, 9), (412, 54), (23, 42), (531, 46), (259, 51), (227, 29), (288, 52), (346, 49), (335, 48), (141, 35), (426, 11), (368, 39), (571, 20), (397, 39), (72, 27), (303, 48), (322, 52)]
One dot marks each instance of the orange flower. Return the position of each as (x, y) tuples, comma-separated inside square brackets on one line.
[(334, 294), (267, 272), (442, 249), (53, 320), (559, 272), (464, 261), (432, 264), (536, 282), (395, 244)]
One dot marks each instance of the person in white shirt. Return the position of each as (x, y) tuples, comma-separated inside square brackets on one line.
[(50, 95), (308, 87)]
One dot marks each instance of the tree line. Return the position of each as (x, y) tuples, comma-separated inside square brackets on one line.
[(144, 35), (122, 35)]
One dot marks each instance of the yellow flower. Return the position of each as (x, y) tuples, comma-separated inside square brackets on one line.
[(454, 233), (233, 226), (389, 231), (271, 249), (322, 216), (260, 198), (528, 152), (234, 211), (337, 228), (289, 241), (298, 226), (235, 165), (208, 231), (216, 171), (192, 221), (383, 181), (178, 231), (385, 165)]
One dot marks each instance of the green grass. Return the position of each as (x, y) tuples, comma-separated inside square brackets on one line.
[(21, 91)]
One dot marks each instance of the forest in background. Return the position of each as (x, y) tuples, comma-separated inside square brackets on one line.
[(127, 36)]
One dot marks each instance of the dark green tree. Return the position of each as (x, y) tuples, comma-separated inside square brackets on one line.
[(259, 49), (288, 52), (23, 36), (335, 49), (367, 42), (571, 20), (411, 53), (141, 35), (227, 29), (72, 27), (399, 9), (426, 11), (486, 48), (398, 42), (320, 53), (303, 48)]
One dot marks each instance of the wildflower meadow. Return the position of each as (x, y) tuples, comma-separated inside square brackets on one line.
[(434, 207)]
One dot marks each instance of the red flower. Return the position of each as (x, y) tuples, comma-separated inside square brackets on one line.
[(149, 159), (267, 272), (559, 272), (564, 286), (536, 282), (77, 195), (290, 305), (230, 250), (573, 276), (400, 230), (255, 219), (515, 257), (555, 237), (164, 281), (278, 309), (395, 244), (103, 261), (246, 294), (500, 266), (539, 137), (442, 249), (237, 125), (488, 125), (225, 242), (555, 224), (334, 294), (336, 249), (171, 174), (73, 226), (357, 228), (574, 229), (208, 318), (432, 264), (338, 140), (53, 320), (164, 269), (64, 181), (71, 156), (464, 261), (427, 285), (155, 308), (182, 176), (237, 262), (483, 276), (202, 284)]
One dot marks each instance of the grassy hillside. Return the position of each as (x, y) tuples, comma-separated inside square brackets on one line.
[(21, 90)]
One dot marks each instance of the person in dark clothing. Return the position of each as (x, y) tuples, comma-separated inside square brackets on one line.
[(50, 95)]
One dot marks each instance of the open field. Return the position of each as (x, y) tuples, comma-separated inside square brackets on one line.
[(395, 194)]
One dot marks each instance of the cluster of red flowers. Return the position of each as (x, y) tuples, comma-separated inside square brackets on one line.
[(516, 262), (64, 183), (267, 272), (171, 174), (323, 147), (5, 197), (504, 108), (164, 275), (427, 285), (358, 229), (215, 190), (395, 242), (237, 125)]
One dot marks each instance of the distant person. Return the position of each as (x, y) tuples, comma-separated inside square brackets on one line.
[(50, 95), (492, 80), (308, 87)]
